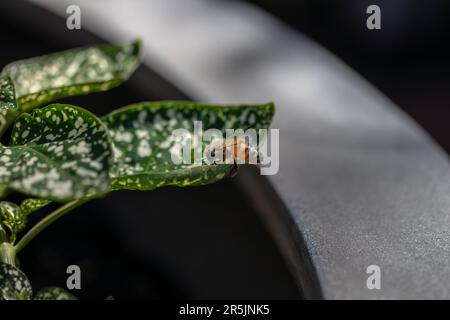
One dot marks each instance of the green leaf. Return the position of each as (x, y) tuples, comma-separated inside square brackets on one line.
[(142, 143), (73, 72), (54, 293), (14, 284), (60, 152), (8, 106), (12, 218)]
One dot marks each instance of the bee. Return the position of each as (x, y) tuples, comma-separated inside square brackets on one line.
[(242, 153)]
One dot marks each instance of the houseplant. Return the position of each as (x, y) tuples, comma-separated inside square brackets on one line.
[(65, 154)]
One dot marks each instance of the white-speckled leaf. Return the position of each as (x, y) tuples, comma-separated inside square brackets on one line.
[(79, 71), (54, 293), (8, 106), (31, 205), (60, 152), (14, 284), (142, 143)]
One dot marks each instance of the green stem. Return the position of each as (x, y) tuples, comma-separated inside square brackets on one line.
[(4, 191), (44, 223)]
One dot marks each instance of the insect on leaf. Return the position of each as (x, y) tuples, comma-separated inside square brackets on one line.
[(60, 152), (143, 145), (72, 72), (14, 284), (54, 293)]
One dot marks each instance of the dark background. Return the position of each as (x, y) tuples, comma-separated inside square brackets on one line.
[(408, 59)]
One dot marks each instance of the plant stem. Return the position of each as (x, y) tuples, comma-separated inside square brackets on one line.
[(44, 223), (8, 253)]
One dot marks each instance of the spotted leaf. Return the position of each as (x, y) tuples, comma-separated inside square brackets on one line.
[(73, 72), (31, 205), (8, 106), (3, 191), (60, 152), (54, 293), (143, 145), (14, 284)]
